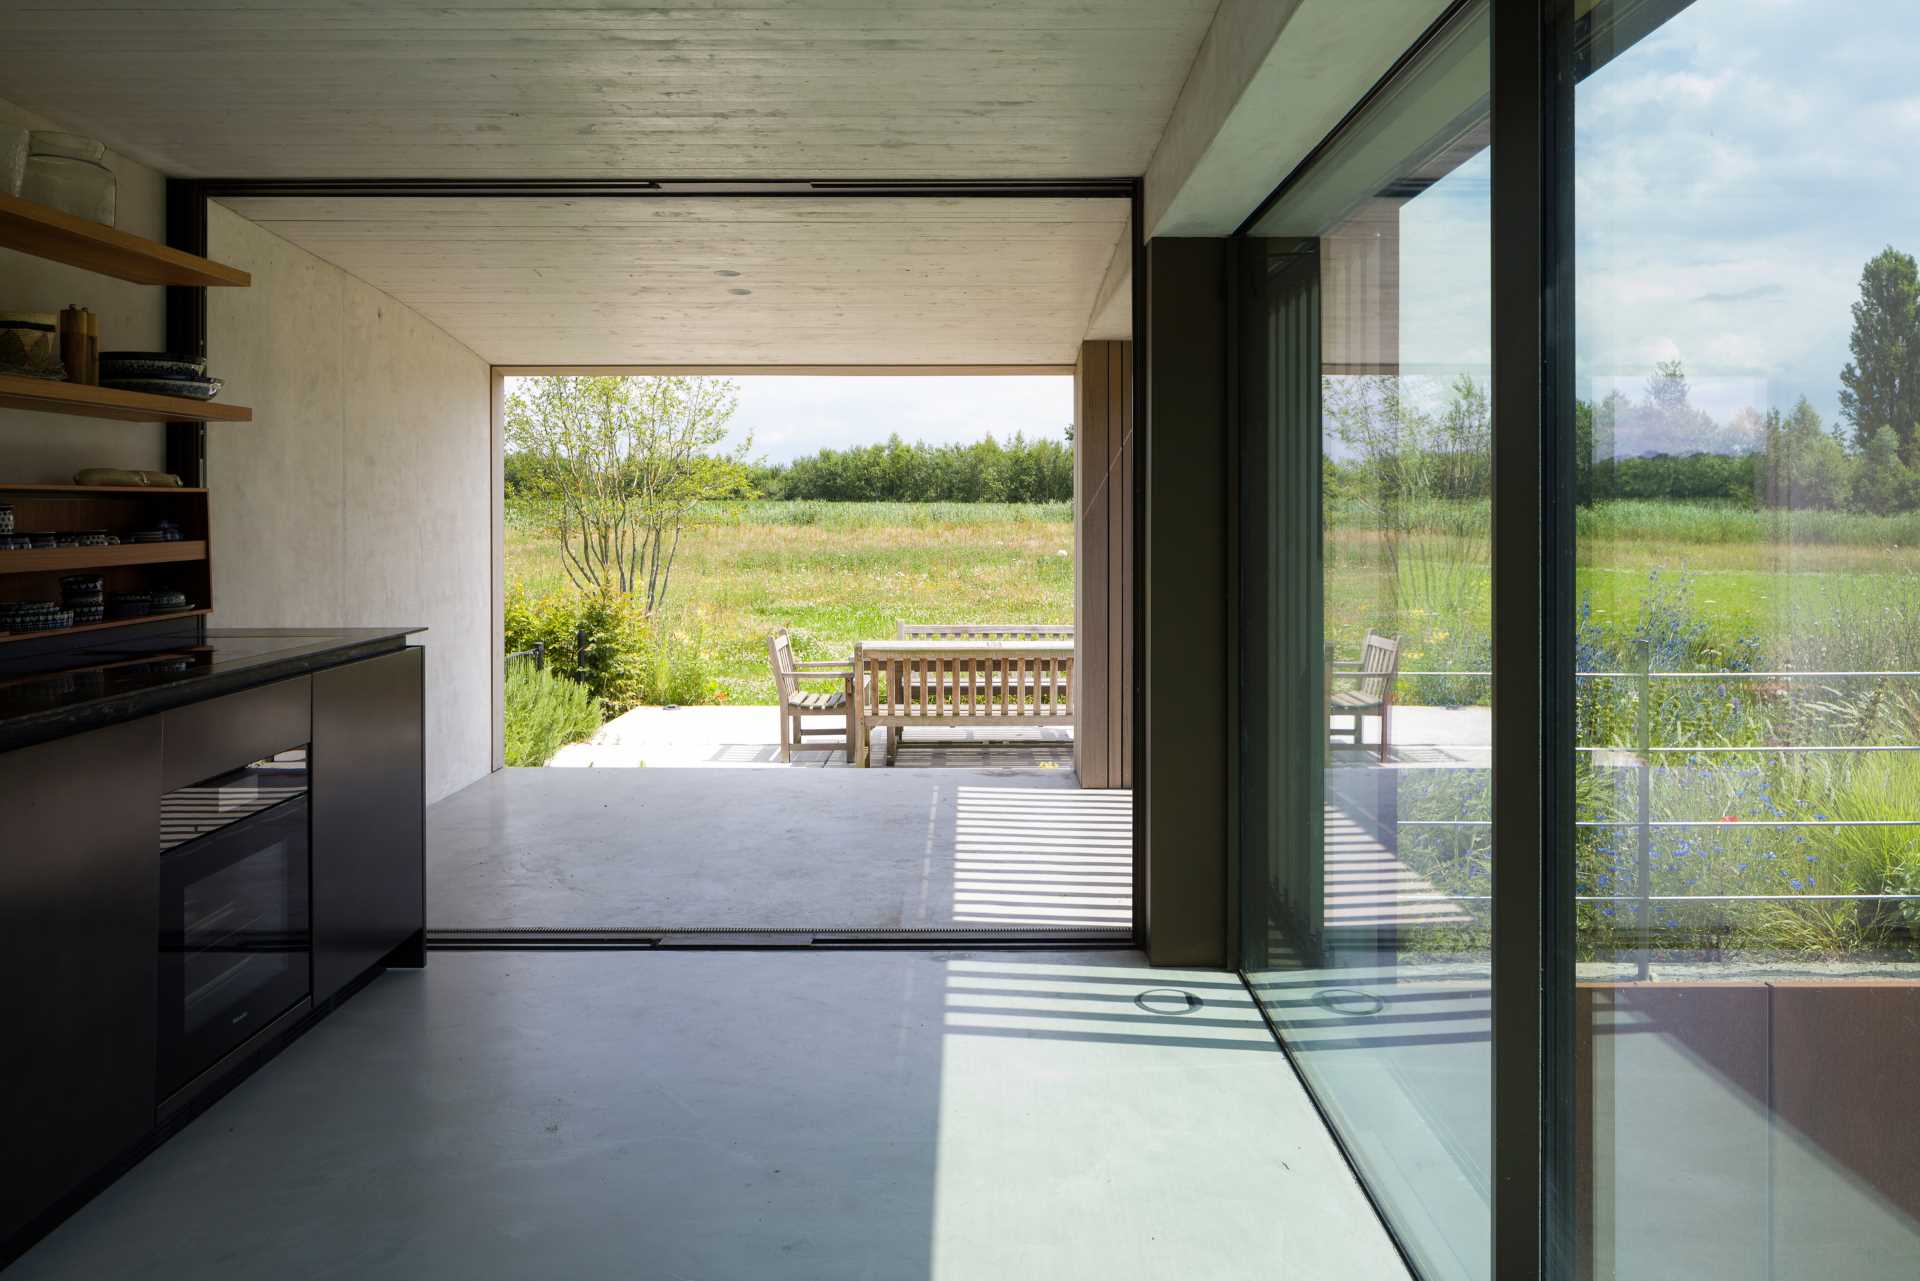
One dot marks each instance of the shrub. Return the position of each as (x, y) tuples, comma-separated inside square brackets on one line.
[(627, 660), (613, 663), (544, 713)]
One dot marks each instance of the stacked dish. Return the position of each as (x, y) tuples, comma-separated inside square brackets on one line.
[(129, 605), (85, 595), (6, 519), (169, 602), (83, 538), (33, 616), (158, 373)]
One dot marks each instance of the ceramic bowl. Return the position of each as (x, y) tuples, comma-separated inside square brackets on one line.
[(78, 187), (30, 344)]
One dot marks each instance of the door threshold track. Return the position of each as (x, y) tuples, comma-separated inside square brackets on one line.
[(723, 938)]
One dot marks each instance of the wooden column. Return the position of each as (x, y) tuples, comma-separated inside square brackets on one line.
[(1103, 564)]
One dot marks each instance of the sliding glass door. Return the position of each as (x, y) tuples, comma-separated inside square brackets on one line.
[(1365, 359), (1711, 1035), (1746, 367)]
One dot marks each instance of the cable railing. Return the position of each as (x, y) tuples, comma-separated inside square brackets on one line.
[(1640, 757)]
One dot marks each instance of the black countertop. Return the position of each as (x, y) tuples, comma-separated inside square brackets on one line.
[(38, 708)]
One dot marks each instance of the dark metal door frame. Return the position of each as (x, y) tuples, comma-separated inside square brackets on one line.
[(186, 443)]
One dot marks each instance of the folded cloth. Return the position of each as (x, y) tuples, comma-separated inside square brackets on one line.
[(122, 476)]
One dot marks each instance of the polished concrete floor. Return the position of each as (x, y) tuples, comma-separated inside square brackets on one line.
[(808, 849), (720, 1116)]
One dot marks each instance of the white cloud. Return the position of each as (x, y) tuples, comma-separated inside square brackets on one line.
[(1734, 171)]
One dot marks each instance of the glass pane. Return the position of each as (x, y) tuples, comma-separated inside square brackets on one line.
[(1367, 799), (1747, 367)]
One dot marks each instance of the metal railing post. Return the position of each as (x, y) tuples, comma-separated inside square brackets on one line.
[(1643, 746)]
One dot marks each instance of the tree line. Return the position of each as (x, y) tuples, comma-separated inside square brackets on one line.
[(988, 471), (1868, 462)]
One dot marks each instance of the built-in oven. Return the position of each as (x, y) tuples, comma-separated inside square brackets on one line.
[(235, 940)]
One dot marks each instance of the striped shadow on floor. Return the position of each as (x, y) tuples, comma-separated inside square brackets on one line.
[(1033, 858)]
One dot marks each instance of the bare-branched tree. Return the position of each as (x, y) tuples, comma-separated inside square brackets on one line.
[(623, 461)]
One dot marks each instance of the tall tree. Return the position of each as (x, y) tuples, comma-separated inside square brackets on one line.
[(625, 460), (1880, 387)]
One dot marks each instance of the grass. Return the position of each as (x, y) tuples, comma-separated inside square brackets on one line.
[(1813, 588), (837, 573)]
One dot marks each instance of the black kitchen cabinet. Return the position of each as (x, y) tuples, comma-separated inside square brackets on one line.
[(78, 901), (369, 819)]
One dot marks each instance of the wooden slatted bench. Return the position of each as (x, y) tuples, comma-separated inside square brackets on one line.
[(958, 684)]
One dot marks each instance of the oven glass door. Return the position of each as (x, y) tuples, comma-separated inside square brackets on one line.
[(235, 947)]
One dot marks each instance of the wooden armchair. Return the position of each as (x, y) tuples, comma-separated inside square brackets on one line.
[(1371, 693), (797, 704)]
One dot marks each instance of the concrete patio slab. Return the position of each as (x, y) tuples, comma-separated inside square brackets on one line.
[(749, 737)]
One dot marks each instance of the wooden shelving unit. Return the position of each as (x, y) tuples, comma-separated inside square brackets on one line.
[(43, 395), (182, 565), (48, 233), (91, 491), (71, 560), (7, 637)]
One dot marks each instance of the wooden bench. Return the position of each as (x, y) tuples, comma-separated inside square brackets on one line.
[(958, 684)]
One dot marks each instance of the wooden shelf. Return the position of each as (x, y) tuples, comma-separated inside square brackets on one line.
[(8, 637), (49, 560), (86, 491), (45, 396), (47, 233)]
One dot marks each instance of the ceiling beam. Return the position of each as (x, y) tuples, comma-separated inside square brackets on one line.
[(1272, 78)]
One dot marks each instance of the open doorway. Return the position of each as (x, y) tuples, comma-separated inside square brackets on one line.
[(659, 820), (793, 652)]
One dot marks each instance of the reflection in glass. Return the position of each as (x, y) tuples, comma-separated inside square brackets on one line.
[(1366, 801), (1747, 365)]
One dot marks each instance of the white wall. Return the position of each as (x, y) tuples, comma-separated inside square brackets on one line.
[(44, 449), (360, 495)]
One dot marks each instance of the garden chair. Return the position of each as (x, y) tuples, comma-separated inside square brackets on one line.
[(1371, 693), (796, 704)]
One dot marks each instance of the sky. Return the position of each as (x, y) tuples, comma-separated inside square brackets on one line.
[(791, 417), (1733, 172)]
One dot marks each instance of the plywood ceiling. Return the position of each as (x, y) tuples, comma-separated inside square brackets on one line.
[(653, 280), (609, 88)]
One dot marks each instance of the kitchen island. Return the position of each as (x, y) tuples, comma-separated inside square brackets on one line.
[(202, 851)]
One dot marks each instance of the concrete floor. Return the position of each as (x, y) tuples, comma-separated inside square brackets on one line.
[(780, 849), (716, 1116)]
